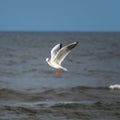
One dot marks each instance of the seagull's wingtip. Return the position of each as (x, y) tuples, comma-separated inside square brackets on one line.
[(76, 42)]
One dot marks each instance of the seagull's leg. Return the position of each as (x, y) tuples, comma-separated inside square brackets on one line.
[(57, 72)]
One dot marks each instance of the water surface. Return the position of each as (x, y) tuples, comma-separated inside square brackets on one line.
[(29, 88)]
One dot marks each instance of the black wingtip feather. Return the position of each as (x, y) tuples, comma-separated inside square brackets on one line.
[(71, 46), (60, 45)]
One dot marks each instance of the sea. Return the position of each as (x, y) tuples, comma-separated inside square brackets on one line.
[(30, 90)]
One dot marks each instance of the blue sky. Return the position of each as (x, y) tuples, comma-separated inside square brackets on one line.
[(59, 15)]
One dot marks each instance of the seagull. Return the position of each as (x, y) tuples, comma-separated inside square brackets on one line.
[(58, 54)]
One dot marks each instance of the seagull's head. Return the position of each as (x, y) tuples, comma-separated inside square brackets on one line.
[(47, 59)]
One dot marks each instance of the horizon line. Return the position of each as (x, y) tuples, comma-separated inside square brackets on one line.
[(90, 31)]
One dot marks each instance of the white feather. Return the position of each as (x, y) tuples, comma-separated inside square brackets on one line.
[(58, 54)]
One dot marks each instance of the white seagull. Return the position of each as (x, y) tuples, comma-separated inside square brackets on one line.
[(58, 54)]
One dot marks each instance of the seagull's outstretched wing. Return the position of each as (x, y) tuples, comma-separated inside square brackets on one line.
[(55, 50), (63, 52)]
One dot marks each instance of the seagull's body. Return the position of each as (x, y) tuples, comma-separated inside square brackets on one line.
[(58, 54)]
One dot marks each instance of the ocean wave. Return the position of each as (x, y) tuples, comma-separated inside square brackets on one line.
[(36, 108), (58, 103), (116, 86)]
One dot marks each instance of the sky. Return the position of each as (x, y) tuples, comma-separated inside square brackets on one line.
[(59, 15)]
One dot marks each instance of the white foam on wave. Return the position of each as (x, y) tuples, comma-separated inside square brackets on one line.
[(116, 86)]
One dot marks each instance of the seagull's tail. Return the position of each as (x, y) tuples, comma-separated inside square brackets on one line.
[(60, 67), (65, 69)]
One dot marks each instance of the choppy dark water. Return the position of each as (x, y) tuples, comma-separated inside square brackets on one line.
[(30, 90)]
